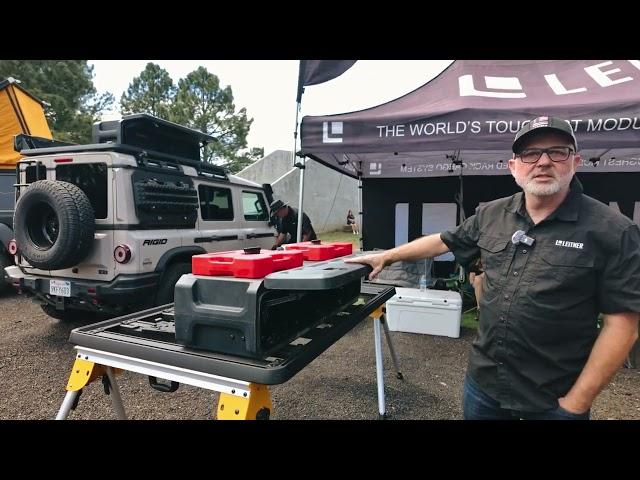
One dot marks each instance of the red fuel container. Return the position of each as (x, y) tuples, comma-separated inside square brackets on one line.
[(317, 251), (248, 263)]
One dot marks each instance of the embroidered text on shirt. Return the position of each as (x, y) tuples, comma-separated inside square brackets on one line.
[(563, 243)]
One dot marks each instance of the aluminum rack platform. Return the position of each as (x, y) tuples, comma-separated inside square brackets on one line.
[(148, 336)]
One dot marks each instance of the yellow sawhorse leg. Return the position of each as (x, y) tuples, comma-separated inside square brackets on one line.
[(82, 374), (256, 407)]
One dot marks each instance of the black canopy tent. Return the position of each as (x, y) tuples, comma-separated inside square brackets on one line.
[(458, 128)]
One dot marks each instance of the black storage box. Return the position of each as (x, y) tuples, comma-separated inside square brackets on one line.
[(253, 317)]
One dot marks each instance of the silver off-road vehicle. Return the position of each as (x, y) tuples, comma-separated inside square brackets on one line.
[(110, 227)]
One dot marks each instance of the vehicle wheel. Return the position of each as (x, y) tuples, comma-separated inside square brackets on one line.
[(168, 282), (54, 224), (5, 261)]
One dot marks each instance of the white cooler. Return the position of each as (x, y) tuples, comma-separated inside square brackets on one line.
[(434, 312)]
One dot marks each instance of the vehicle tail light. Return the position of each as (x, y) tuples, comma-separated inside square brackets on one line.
[(13, 247), (122, 254)]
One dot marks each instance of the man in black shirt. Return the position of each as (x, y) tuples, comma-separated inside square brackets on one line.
[(553, 259), (287, 224)]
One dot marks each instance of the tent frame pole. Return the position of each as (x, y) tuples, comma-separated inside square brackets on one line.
[(295, 136), (301, 166), (360, 212)]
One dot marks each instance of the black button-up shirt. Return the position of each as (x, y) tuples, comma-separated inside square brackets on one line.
[(289, 224), (540, 303)]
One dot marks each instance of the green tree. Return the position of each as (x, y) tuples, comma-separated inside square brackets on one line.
[(202, 104), (243, 160), (67, 86), (152, 92)]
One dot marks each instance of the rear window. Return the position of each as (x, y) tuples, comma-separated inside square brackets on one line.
[(7, 193), (34, 173), (254, 206), (215, 203), (91, 178)]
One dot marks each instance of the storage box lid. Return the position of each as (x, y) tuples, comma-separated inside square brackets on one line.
[(326, 275), (429, 297)]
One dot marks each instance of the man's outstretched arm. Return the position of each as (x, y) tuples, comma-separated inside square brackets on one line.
[(424, 247)]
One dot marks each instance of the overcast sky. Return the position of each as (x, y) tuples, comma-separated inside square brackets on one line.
[(267, 88)]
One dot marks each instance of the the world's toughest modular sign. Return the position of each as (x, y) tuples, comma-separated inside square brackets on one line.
[(467, 118)]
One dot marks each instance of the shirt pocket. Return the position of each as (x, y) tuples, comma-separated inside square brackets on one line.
[(494, 257), (562, 268)]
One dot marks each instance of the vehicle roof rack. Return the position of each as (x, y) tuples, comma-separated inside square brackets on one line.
[(143, 157), (152, 133), (23, 141), (146, 137)]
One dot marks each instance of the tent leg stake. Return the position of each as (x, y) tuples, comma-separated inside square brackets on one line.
[(255, 406)]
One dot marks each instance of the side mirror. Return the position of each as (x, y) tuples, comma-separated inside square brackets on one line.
[(268, 190)]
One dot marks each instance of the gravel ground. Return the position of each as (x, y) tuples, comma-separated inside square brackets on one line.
[(36, 359)]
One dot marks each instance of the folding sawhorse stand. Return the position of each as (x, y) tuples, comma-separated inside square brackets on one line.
[(102, 351), (238, 400)]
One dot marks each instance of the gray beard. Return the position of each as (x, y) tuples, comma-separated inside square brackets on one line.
[(544, 190)]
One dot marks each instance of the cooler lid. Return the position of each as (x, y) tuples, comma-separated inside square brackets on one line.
[(431, 297)]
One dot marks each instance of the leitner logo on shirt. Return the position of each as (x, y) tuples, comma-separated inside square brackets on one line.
[(562, 243)]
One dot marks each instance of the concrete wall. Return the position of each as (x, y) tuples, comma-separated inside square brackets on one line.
[(328, 195), (268, 169)]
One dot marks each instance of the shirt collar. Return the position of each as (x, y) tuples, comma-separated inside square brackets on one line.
[(567, 211)]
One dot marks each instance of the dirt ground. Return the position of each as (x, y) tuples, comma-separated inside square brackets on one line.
[(36, 359)]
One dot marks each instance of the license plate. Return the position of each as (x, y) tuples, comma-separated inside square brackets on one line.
[(61, 288)]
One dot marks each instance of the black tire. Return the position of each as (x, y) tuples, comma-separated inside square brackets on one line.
[(64, 315), (168, 282), (54, 224), (5, 261)]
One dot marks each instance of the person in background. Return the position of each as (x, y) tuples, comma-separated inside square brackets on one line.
[(287, 224), (553, 260), (351, 220)]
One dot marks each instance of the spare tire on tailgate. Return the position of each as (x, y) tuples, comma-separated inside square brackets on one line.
[(54, 224)]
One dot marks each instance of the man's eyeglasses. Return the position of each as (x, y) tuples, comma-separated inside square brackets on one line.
[(556, 154)]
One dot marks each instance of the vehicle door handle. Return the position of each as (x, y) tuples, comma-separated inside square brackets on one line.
[(260, 235), (215, 239)]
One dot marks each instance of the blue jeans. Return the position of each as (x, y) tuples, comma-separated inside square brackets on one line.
[(477, 405)]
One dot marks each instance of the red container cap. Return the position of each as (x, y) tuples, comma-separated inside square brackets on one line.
[(316, 251), (248, 263)]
